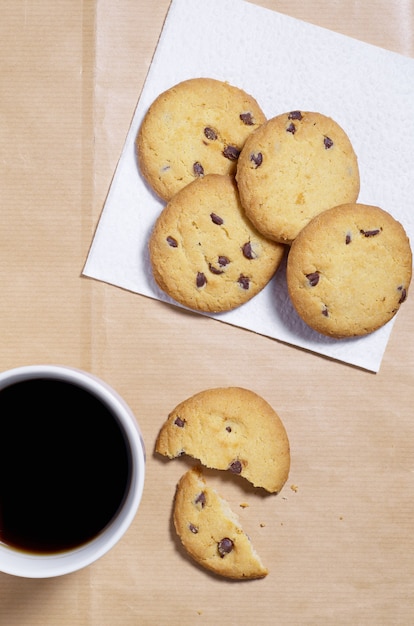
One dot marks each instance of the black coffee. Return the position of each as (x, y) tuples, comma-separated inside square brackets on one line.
[(64, 466)]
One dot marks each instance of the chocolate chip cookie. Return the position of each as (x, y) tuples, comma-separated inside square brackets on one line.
[(211, 533), (205, 253), (349, 269), (232, 429), (293, 167), (196, 127)]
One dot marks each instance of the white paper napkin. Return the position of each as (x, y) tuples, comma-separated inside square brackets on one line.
[(286, 64)]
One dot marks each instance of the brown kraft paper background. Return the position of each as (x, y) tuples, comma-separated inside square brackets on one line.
[(338, 539)]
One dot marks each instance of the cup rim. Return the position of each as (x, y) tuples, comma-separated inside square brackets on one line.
[(32, 565)]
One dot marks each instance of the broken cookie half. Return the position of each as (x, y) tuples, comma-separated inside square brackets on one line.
[(233, 429), (211, 533)]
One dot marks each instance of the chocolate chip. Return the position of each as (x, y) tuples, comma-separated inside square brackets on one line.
[(236, 467), (216, 219), (198, 169), (210, 133), (225, 546), (244, 281), (172, 242), (214, 270), (231, 153), (295, 115), (179, 422), (223, 261), (291, 128), (201, 279), (256, 158), (201, 500), (370, 233), (247, 118), (327, 142), (325, 312), (348, 238), (248, 251), (313, 278), (228, 428), (403, 294), (193, 528)]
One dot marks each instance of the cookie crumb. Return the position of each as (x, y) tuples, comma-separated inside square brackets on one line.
[(262, 525), (294, 488), (244, 505)]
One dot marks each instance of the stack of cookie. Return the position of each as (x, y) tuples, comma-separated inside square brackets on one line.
[(241, 190), (205, 253), (230, 429)]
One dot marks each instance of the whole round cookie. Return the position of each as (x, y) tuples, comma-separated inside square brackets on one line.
[(233, 429), (211, 533), (194, 128), (205, 253), (293, 167), (349, 269)]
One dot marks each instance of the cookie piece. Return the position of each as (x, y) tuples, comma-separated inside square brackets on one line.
[(233, 429), (205, 253), (197, 127), (292, 168), (211, 533), (349, 269)]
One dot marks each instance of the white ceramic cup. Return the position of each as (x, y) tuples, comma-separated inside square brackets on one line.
[(24, 563)]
